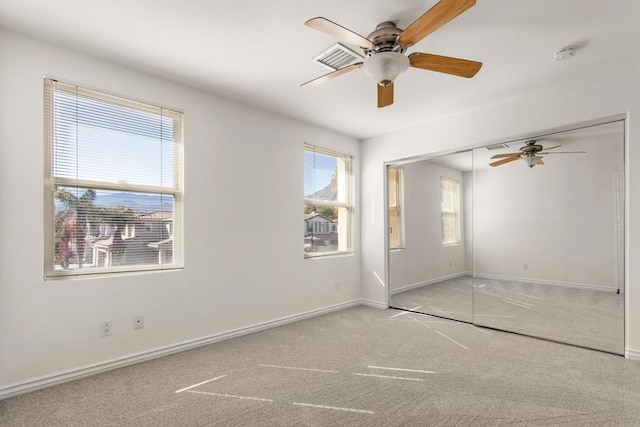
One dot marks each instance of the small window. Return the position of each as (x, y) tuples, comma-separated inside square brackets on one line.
[(450, 208), (396, 208), (113, 183), (328, 205)]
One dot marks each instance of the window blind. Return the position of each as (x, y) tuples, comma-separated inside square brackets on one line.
[(395, 182), (113, 183), (327, 201), (450, 208)]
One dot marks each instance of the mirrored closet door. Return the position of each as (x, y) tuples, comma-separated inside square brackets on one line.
[(430, 258), (525, 237), (548, 237)]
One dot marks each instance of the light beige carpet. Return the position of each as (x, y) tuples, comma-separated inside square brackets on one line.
[(357, 367)]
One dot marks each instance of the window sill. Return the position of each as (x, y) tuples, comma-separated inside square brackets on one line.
[(109, 274), (329, 255)]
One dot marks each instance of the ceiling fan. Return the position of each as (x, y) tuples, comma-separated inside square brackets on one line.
[(530, 153), (385, 48)]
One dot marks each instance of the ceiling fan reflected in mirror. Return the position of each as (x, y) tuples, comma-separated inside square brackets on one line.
[(384, 49), (531, 153)]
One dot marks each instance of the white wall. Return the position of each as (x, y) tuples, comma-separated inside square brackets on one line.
[(589, 99), (240, 164), (557, 218), (424, 258)]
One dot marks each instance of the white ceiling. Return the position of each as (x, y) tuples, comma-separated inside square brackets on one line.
[(259, 52)]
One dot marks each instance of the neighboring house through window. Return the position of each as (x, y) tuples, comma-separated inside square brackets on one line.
[(328, 205), (396, 208), (450, 208), (113, 183)]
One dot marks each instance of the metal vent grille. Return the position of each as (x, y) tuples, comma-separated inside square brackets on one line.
[(337, 56), (496, 146)]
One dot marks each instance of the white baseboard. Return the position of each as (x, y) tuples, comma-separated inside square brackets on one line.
[(374, 304), (632, 354), (85, 371), (428, 282), (548, 283)]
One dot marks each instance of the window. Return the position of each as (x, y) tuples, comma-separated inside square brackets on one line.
[(450, 208), (328, 206), (396, 236), (113, 183)]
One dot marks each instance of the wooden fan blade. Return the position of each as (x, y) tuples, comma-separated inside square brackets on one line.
[(499, 156), (339, 32), (385, 95), (434, 18), (445, 64), (507, 160), (332, 75)]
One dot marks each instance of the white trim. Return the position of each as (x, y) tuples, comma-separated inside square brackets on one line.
[(107, 365), (550, 283), (632, 355), (374, 304), (428, 282), (328, 255), (326, 151), (327, 203)]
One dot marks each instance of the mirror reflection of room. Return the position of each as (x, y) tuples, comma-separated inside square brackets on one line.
[(525, 236), (548, 238), (429, 227)]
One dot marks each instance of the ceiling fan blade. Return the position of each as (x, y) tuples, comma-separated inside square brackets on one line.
[(564, 152), (499, 156), (434, 18), (551, 148), (339, 32), (332, 75), (539, 162), (445, 64), (507, 160), (385, 95)]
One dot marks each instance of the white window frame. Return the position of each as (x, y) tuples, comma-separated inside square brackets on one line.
[(396, 206), (51, 182), (450, 214), (345, 201)]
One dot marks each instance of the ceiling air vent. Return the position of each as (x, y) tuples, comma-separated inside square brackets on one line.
[(337, 56), (496, 146)]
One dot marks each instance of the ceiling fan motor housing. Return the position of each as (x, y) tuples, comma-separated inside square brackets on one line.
[(385, 39), (531, 148)]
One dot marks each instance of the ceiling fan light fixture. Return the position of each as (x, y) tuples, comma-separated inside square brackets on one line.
[(531, 161), (385, 67)]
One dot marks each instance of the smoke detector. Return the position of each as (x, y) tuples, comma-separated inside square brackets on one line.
[(565, 53)]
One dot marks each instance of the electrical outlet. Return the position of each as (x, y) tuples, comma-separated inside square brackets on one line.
[(337, 286), (525, 266), (138, 322), (106, 327)]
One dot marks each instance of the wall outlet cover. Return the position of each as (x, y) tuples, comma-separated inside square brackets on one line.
[(138, 322)]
